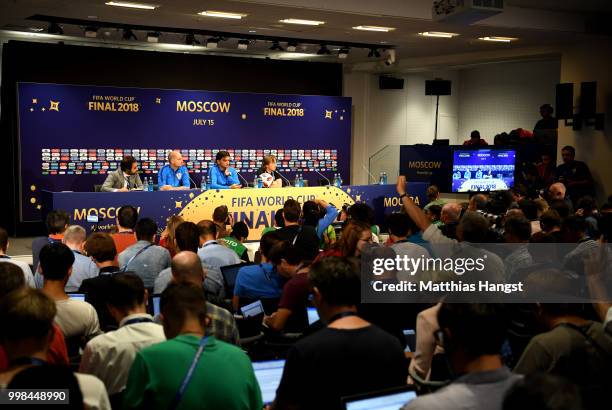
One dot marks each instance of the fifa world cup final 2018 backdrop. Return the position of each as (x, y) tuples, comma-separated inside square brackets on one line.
[(72, 136)]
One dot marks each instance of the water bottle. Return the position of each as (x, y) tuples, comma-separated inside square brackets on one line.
[(339, 180), (208, 181), (145, 185), (385, 179), (259, 182), (296, 183), (381, 178), (151, 184), (301, 181), (335, 180), (203, 186), (255, 182)]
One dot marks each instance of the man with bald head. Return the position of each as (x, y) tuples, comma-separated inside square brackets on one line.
[(187, 268), (174, 175), (449, 216)]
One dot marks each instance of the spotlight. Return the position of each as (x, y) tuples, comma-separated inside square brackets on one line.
[(212, 42), (374, 53), (292, 46), (343, 53), (323, 50), (243, 44), (276, 46), (153, 36), (390, 56), (128, 34), (191, 40), (91, 32), (55, 28)]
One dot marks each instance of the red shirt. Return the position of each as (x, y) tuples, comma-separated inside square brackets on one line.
[(123, 240), (58, 354), (480, 142)]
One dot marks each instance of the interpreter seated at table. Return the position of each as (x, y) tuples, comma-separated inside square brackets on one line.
[(222, 176), (174, 175), (268, 173), (125, 178)]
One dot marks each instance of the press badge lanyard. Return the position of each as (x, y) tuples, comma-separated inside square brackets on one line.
[(137, 320), (189, 375), (134, 257)]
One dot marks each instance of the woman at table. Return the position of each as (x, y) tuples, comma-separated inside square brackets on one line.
[(222, 176), (268, 173)]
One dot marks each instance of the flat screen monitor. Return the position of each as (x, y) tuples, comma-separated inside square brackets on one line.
[(483, 170), (392, 399), (156, 299), (229, 275), (268, 375)]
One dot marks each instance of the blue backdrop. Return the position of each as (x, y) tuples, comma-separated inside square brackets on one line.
[(72, 136)]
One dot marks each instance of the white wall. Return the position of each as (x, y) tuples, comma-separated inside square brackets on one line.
[(502, 97), (591, 63), (491, 98)]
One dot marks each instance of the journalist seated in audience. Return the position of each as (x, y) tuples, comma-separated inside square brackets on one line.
[(11, 279), (474, 357), (23, 266), (348, 357), (75, 317), (144, 257), (262, 280), (291, 315), (26, 320), (109, 356), (192, 369), (186, 269)]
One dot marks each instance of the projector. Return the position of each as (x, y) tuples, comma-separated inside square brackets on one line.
[(465, 11)]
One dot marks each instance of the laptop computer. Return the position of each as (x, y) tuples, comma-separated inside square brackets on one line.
[(252, 309), (268, 375), (313, 315), (229, 273), (389, 399), (77, 296)]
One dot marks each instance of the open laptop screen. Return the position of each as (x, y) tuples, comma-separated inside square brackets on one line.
[(268, 376), (392, 399)]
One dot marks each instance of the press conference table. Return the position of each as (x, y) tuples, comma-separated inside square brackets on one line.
[(254, 206)]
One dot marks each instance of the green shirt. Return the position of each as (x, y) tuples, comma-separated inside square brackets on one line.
[(223, 378), (440, 202), (234, 245), (268, 229)]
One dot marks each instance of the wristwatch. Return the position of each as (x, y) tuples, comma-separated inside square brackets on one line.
[(403, 195)]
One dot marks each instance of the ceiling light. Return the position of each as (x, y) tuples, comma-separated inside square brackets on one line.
[(343, 53), (243, 44), (276, 46), (142, 6), (128, 34), (292, 46), (374, 28), (91, 32), (373, 53), (302, 22), (498, 39), (191, 40), (153, 36), (439, 34), (222, 14), (212, 42), (323, 50)]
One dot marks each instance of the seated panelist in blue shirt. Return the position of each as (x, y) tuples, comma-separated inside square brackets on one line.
[(174, 175), (222, 176)]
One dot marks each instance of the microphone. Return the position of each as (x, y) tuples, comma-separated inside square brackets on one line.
[(283, 177), (324, 177), (245, 181), (366, 170), (194, 183)]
